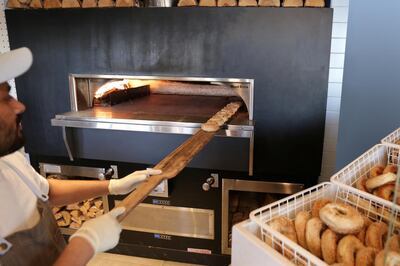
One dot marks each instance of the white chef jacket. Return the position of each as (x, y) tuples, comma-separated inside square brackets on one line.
[(20, 188)]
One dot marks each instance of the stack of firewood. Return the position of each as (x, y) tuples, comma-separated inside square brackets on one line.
[(181, 3), (74, 215), (264, 3), (71, 3)]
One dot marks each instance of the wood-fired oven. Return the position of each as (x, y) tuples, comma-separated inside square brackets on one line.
[(179, 214)]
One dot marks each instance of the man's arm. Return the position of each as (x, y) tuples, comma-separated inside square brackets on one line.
[(63, 192), (78, 252)]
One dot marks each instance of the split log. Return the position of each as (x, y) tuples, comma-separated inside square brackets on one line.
[(15, 4), (124, 3), (71, 4), (52, 4), (222, 3), (248, 3), (314, 3), (98, 203), (292, 3), (208, 3), (35, 4), (74, 225), (89, 3), (74, 206), (55, 209), (271, 3), (187, 3), (66, 216), (75, 214), (57, 215), (106, 3)]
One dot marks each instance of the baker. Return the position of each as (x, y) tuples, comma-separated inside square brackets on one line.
[(28, 231)]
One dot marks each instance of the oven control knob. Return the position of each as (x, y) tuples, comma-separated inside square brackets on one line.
[(207, 185), (108, 174)]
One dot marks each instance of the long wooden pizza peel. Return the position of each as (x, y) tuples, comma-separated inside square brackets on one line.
[(171, 166)]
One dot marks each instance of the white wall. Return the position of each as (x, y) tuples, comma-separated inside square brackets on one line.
[(339, 32), (4, 43)]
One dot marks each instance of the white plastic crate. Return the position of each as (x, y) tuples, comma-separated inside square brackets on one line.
[(303, 201), (391, 139), (378, 155)]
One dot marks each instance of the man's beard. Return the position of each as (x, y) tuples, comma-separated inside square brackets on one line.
[(14, 140)]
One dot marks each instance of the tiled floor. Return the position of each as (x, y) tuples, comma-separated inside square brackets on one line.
[(107, 259)]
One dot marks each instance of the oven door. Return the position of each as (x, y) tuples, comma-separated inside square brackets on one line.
[(72, 216), (240, 197)]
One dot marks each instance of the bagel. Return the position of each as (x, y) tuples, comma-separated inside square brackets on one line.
[(392, 258), (385, 192), (210, 126), (347, 248), (390, 168), (361, 234), (360, 184), (285, 227), (300, 224), (318, 204), (375, 235), (220, 121), (380, 180), (342, 219), (314, 228), (329, 240), (393, 243), (376, 170), (366, 256)]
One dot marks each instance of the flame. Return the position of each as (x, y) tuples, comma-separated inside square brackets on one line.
[(120, 85)]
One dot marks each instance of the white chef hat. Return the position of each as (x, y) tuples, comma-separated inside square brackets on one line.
[(14, 63)]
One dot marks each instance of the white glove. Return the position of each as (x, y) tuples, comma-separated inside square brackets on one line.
[(103, 232), (128, 183)]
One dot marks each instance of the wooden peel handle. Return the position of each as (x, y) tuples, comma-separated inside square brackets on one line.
[(173, 164), (170, 165), (137, 196)]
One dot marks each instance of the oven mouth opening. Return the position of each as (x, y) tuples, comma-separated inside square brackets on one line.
[(107, 93)]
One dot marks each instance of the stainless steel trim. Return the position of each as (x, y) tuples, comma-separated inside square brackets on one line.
[(251, 154), (164, 193), (72, 170), (174, 78), (247, 96), (148, 126), (170, 220), (250, 186), (72, 93), (66, 143)]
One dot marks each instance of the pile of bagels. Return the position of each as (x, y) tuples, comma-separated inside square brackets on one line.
[(338, 234), (380, 181), (221, 117)]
